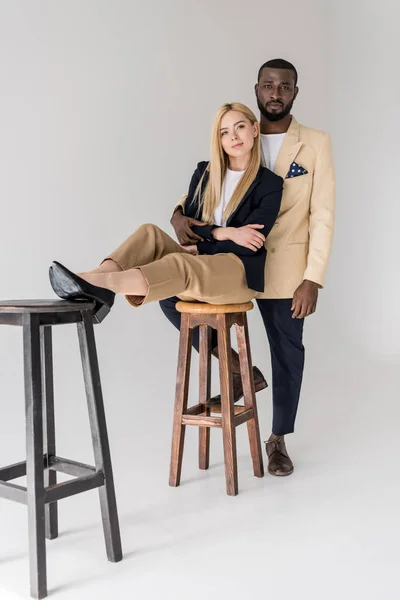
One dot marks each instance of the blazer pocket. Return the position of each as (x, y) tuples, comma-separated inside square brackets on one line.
[(295, 170), (295, 178)]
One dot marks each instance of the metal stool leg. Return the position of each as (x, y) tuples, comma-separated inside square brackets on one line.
[(50, 477), (34, 455), (99, 436)]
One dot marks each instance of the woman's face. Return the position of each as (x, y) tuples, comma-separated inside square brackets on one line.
[(237, 134)]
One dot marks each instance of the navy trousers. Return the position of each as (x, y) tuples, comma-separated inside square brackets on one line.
[(285, 336)]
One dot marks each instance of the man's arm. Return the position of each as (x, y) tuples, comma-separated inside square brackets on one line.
[(189, 230), (181, 205), (322, 216)]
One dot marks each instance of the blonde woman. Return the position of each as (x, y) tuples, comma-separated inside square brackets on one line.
[(235, 201)]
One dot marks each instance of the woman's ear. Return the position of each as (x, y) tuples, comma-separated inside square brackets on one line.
[(256, 129)]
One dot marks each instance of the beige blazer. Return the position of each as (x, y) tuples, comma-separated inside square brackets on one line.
[(299, 244)]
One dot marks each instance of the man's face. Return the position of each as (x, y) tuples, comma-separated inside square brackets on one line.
[(276, 93)]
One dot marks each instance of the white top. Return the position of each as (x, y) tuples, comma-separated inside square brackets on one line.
[(231, 180), (270, 145)]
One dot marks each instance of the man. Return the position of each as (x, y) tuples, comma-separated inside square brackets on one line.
[(298, 247)]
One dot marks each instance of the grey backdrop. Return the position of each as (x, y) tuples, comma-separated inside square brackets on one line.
[(105, 109)]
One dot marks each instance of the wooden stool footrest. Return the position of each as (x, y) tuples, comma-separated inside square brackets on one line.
[(216, 409), (202, 421), (11, 491), (243, 417), (195, 415), (70, 467), (86, 478), (73, 487)]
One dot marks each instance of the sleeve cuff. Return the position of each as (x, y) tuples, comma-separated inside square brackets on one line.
[(311, 275)]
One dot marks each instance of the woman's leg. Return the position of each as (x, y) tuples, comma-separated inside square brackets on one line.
[(130, 282), (215, 279), (107, 266), (146, 245)]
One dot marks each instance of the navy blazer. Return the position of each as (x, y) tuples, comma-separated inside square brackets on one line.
[(261, 204)]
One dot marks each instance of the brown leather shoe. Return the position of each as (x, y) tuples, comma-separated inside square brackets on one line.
[(259, 384), (279, 462)]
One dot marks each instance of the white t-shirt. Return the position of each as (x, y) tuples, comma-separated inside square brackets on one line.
[(270, 145), (231, 180)]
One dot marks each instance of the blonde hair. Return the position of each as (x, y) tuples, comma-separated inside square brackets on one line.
[(211, 196)]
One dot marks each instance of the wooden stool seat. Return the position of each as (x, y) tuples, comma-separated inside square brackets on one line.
[(197, 308), (42, 491), (221, 318), (43, 306)]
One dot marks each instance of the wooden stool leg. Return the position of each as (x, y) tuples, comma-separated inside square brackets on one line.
[(246, 370), (181, 400), (34, 456), (227, 410), (204, 393), (50, 477), (98, 428)]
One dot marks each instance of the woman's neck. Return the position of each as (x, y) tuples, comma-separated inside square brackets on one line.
[(239, 163)]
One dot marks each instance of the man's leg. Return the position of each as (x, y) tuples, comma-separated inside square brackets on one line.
[(168, 306), (285, 336)]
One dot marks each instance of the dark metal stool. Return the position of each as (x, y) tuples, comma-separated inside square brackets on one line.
[(221, 318), (42, 493)]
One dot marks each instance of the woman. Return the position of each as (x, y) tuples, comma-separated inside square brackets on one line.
[(237, 200)]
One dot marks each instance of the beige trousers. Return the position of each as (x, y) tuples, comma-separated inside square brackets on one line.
[(171, 271)]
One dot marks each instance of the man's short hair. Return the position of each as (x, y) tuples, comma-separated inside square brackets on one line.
[(278, 63)]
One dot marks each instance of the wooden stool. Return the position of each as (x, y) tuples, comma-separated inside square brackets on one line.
[(221, 318), (36, 317)]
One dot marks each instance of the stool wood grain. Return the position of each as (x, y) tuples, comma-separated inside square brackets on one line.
[(221, 318)]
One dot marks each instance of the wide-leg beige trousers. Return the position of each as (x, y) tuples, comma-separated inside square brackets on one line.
[(171, 271)]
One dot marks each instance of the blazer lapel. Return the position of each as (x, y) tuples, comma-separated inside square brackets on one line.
[(289, 149)]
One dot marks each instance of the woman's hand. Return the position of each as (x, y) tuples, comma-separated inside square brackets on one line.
[(246, 236), (192, 249)]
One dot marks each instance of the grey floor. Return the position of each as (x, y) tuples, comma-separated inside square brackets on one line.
[(331, 530)]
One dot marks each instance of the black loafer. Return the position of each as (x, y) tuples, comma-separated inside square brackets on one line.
[(69, 286)]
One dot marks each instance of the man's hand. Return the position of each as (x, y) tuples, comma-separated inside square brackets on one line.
[(192, 249), (246, 236), (305, 299), (183, 228)]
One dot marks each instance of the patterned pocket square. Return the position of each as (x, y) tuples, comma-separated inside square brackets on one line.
[(296, 170)]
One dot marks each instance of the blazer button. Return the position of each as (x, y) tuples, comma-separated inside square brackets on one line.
[(272, 249)]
